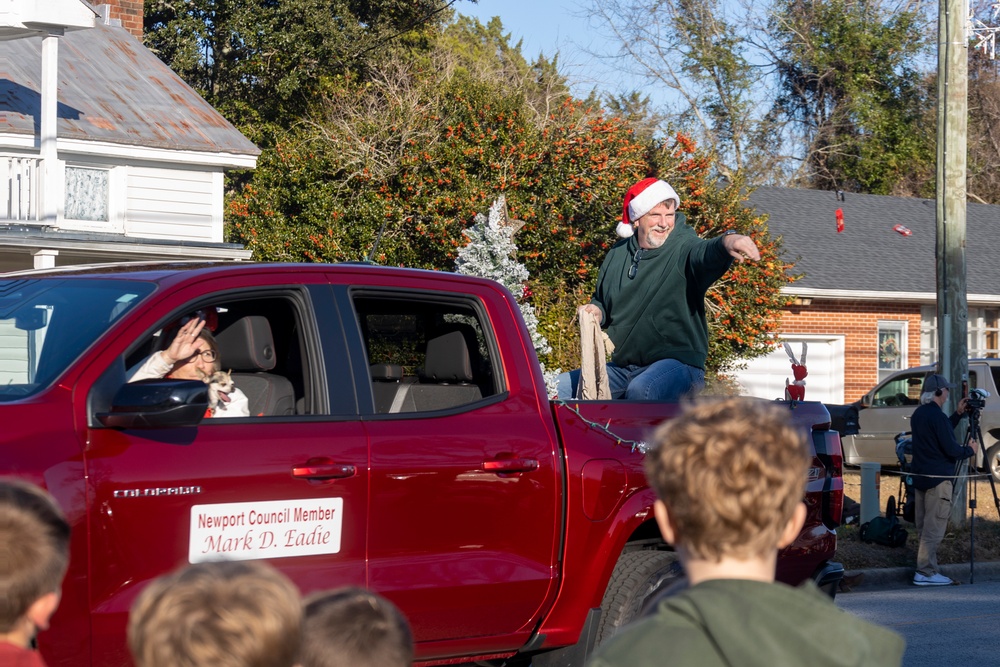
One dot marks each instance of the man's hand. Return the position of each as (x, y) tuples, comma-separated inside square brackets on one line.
[(740, 247), (963, 405), (592, 309)]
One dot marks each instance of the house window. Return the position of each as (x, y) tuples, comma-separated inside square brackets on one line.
[(891, 347), (928, 335), (87, 194), (983, 338)]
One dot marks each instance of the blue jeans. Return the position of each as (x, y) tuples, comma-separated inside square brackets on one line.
[(664, 380)]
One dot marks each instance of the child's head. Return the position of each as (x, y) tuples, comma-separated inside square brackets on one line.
[(222, 614), (731, 474), (352, 627), (34, 554)]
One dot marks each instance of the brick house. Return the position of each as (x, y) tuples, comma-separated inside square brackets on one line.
[(105, 153), (866, 302)]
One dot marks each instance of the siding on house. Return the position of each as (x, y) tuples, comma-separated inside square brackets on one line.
[(172, 204), (14, 366)]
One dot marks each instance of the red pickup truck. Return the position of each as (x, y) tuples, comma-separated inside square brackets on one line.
[(400, 438)]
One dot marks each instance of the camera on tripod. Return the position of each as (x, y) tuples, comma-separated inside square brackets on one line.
[(977, 399)]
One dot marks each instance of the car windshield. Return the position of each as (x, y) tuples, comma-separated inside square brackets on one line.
[(45, 324)]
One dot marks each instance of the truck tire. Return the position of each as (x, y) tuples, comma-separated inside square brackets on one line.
[(636, 575), (992, 462)]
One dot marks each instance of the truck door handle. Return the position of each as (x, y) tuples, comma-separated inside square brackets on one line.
[(507, 466), (320, 469)]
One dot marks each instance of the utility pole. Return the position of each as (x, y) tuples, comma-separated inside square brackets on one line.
[(952, 304)]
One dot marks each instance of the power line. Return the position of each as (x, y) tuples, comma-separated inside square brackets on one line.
[(408, 28)]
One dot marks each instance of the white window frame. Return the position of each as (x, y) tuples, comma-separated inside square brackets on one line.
[(983, 338), (984, 332), (892, 350), (115, 224)]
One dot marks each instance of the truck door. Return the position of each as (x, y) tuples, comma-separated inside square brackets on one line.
[(890, 406), (288, 484), (465, 486)]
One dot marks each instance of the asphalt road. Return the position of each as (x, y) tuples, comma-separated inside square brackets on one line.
[(942, 625)]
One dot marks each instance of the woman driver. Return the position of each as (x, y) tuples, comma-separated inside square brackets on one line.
[(193, 355)]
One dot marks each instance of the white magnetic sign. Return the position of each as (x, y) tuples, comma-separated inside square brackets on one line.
[(265, 529)]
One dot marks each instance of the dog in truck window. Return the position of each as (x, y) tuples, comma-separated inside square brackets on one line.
[(220, 385)]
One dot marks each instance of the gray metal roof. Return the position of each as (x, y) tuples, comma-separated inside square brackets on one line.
[(112, 89), (868, 254)]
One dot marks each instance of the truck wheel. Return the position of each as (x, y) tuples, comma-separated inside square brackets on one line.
[(993, 461), (636, 575)]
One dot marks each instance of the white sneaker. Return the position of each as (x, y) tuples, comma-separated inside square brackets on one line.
[(933, 580)]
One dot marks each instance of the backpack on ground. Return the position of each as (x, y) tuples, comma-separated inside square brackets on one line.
[(885, 530)]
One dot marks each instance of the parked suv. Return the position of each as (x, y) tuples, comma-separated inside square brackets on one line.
[(885, 411)]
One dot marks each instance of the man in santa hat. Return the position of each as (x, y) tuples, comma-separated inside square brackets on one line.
[(650, 297)]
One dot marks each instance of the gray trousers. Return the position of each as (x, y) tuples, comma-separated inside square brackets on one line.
[(933, 507)]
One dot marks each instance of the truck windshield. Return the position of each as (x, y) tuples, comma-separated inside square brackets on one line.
[(45, 324)]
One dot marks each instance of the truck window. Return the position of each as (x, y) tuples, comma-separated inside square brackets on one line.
[(260, 340), (899, 391), (424, 354), (46, 324)]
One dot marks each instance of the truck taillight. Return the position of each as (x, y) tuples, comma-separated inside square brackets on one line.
[(829, 465)]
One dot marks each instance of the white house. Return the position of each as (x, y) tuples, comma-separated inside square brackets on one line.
[(126, 164)]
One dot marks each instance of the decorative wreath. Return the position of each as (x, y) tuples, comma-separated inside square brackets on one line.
[(888, 351)]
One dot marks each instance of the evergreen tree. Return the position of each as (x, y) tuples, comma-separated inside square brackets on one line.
[(491, 253), (261, 62)]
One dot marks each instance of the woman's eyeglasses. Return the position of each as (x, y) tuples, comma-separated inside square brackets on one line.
[(208, 355), (632, 270)]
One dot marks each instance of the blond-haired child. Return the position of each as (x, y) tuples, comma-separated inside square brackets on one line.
[(219, 614), (730, 476)]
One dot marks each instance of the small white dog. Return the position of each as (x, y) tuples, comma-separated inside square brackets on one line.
[(220, 385)]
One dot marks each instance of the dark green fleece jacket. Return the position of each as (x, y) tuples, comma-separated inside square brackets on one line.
[(741, 623), (660, 313)]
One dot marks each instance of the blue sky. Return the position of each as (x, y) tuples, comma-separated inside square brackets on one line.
[(550, 27), (545, 25)]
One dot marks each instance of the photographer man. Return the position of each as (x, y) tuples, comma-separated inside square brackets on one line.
[(935, 453)]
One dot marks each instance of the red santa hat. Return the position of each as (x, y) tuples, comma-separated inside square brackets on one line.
[(640, 200)]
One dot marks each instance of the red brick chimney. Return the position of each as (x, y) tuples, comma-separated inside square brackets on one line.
[(129, 12)]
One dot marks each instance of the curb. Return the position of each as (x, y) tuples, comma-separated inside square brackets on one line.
[(902, 577)]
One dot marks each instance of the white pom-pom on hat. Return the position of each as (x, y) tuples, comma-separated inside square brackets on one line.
[(624, 230), (640, 200)]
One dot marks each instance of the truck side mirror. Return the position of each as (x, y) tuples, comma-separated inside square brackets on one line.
[(844, 419), (865, 401), (31, 319), (157, 404)]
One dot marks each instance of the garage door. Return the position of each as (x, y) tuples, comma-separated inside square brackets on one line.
[(765, 377)]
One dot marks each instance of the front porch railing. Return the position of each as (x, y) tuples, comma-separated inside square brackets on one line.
[(19, 192)]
